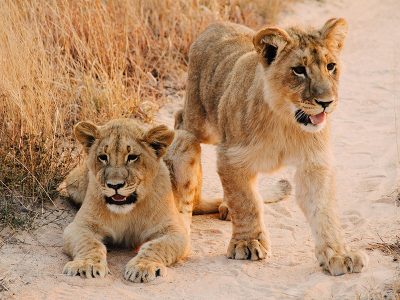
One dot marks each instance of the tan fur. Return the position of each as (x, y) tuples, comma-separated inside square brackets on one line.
[(246, 94), (153, 222)]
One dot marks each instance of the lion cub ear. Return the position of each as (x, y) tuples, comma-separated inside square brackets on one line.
[(86, 133), (159, 138), (270, 41), (334, 32)]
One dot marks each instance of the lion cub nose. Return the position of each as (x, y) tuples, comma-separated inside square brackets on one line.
[(324, 104), (115, 186)]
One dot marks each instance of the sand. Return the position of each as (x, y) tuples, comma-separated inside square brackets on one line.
[(365, 143)]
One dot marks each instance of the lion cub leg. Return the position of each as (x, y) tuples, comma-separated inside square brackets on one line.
[(315, 193), (87, 251), (249, 237), (155, 255)]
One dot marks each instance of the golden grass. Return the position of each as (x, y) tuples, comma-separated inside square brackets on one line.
[(65, 61)]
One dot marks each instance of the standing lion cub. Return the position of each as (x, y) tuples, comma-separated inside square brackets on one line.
[(130, 196), (266, 98)]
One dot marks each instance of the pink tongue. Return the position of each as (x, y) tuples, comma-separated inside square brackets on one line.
[(118, 197), (318, 119)]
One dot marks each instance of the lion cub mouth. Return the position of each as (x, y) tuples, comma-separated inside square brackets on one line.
[(306, 119), (118, 199)]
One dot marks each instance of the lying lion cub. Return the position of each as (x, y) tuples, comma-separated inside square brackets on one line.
[(127, 196), (266, 98)]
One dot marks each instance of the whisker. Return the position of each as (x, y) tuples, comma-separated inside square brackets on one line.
[(302, 117)]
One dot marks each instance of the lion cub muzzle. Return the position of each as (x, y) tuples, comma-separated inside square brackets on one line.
[(122, 200), (117, 198)]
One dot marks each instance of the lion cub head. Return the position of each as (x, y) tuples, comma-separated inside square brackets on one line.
[(301, 71), (124, 159)]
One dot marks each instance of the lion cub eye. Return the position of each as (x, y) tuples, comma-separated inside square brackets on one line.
[(331, 67), (299, 71), (103, 158), (132, 157)]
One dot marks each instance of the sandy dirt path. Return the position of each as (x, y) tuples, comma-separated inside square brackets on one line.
[(366, 146)]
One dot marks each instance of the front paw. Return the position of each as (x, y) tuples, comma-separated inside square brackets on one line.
[(339, 263), (143, 271), (252, 249), (86, 268)]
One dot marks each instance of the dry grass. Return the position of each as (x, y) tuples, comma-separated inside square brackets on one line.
[(390, 290), (388, 248), (3, 284), (64, 61)]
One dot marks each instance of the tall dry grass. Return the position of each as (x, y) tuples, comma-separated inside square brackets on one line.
[(64, 61)]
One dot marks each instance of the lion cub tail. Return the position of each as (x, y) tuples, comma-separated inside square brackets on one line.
[(207, 206), (179, 119), (278, 191)]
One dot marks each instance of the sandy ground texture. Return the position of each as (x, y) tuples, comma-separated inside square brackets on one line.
[(365, 141)]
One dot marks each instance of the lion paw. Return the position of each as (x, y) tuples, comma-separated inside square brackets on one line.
[(248, 249), (143, 271), (342, 263), (86, 268)]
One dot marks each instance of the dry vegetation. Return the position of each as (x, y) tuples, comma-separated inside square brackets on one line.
[(391, 290), (65, 61)]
